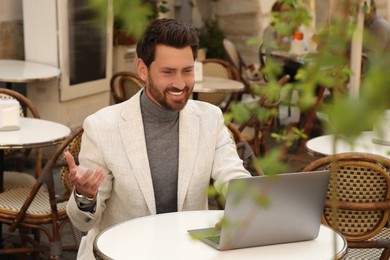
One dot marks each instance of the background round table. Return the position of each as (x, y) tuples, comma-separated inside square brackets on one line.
[(323, 145), (33, 132), (217, 86), (165, 236), (20, 71)]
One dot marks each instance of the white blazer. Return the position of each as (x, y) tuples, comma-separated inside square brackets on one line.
[(114, 140)]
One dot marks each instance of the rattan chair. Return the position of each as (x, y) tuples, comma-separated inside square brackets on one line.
[(254, 130), (41, 208), (360, 188), (221, 69), (124, 85), (239, 64), (19, 157), (262, 59)]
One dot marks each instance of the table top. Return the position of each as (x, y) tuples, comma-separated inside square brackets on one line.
[(165, 236), (218, 85), (287, 55), (33, 132), (322, 145), (19, 71)]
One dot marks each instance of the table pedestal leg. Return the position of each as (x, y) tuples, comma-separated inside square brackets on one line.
[(1, 170), (1, 190)]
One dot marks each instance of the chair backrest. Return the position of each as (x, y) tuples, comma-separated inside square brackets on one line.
[(360, 189), (238, 63), (23, 100), (262, 59), (233, 55), (73, 148), (124, 85), (262, 55), (220, 69)]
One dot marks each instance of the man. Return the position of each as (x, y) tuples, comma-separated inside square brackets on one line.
[(156, 152)]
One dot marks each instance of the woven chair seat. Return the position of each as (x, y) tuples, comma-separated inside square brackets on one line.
[(359, 253), (13, 180), (12, 200)]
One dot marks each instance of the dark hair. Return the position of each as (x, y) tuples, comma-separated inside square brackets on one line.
[(168, 32), (277, 6)]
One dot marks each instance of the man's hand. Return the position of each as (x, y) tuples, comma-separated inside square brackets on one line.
[(85, 182), (218, 225)]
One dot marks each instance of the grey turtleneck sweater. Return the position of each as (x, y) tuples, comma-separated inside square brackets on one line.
[(161, 128)]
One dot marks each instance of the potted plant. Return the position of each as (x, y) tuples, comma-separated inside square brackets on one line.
[(127, 27), (210, 38), (121, 35)]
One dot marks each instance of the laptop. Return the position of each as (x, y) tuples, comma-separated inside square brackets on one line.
[(265, 210)]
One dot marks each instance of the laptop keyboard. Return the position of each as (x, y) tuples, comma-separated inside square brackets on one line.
[(215, 239)]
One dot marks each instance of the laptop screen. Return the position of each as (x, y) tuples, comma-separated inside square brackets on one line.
[(265, 210)]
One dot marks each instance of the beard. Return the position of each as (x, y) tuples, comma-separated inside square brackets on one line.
[(162, 96)]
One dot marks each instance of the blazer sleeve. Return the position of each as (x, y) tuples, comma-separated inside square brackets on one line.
[(91, 155), (227, 164)]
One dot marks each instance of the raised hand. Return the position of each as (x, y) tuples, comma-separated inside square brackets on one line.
[(86, 182)]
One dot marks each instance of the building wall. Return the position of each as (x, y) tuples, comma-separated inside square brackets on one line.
[(11, 30), (247, 19), (45, 95), (240, 20)]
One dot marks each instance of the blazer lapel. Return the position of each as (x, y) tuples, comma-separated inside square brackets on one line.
[(133, 137), (188, 147)]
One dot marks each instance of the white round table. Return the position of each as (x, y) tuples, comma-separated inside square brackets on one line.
[(323, 145), (165, 236), (218, 85), (19, 71), (33, 132)]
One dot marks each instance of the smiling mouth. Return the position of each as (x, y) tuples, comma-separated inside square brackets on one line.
[(176, 92)]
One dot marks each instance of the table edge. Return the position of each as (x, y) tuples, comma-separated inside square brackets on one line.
[(101, 256), (39, 144), (9, 80)]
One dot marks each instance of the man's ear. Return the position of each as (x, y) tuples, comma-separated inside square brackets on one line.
[(142, 70)]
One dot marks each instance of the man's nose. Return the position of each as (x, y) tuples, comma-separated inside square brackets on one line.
[(179, 82)]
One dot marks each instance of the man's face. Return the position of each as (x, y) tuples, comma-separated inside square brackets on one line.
[(170, 77)]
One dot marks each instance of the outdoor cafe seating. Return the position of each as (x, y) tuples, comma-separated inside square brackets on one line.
[(360, 190), (29, 210)]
